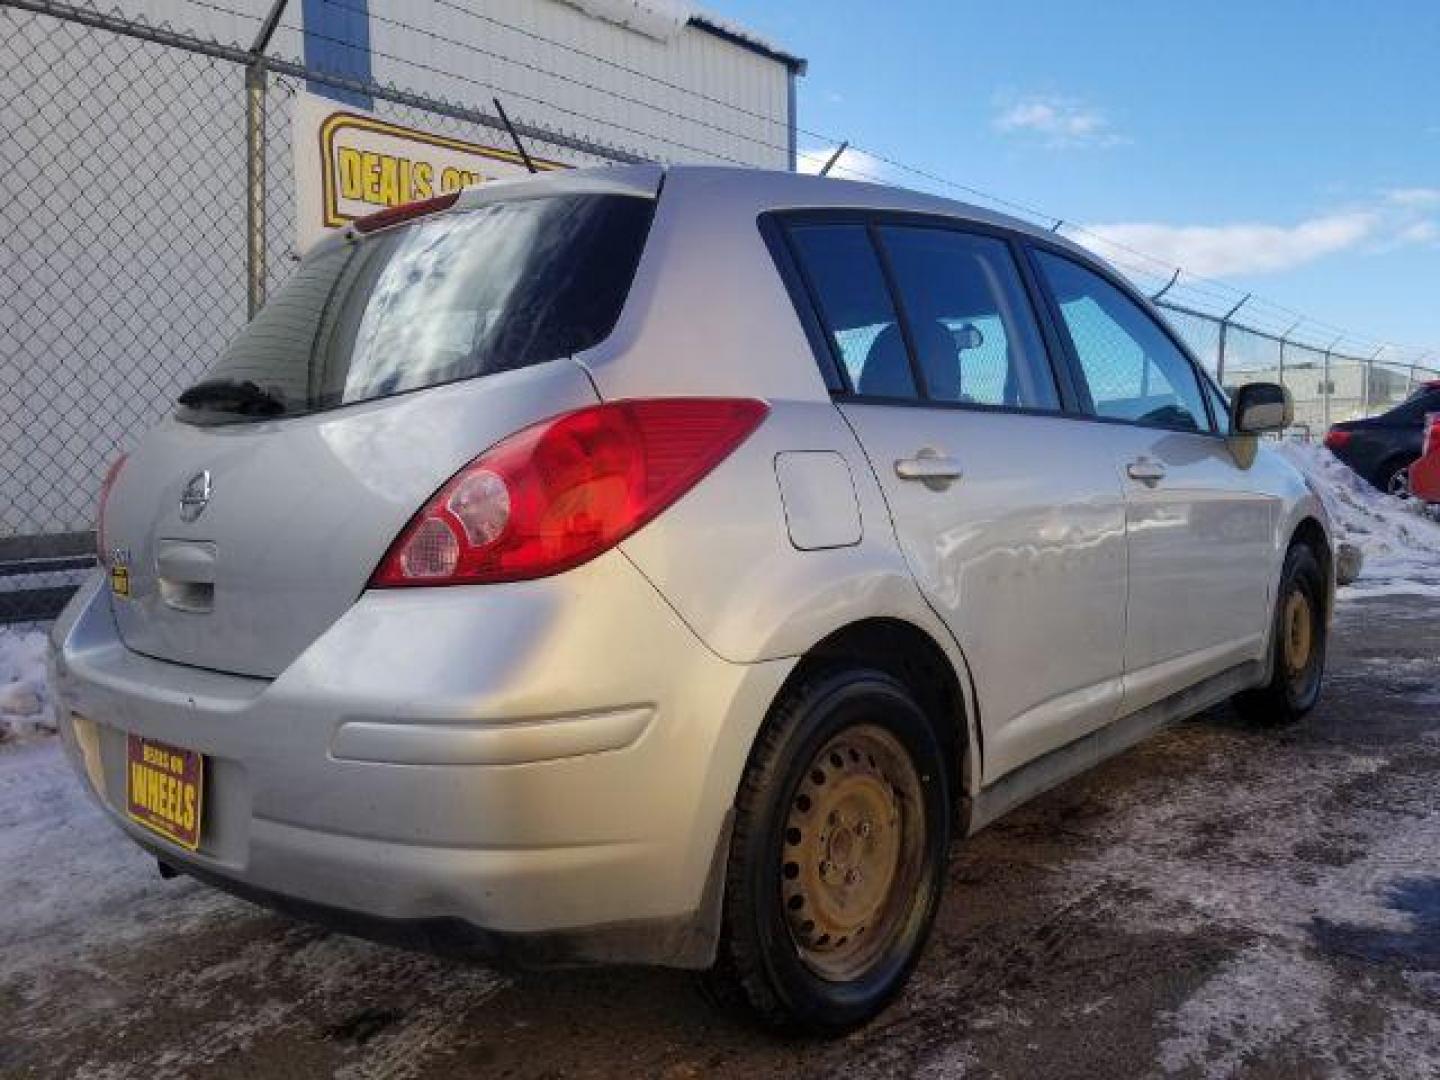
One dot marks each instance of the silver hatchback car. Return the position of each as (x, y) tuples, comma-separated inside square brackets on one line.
[(664, 565)]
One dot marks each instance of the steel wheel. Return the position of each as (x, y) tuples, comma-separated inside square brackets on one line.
[(837, 858), (1299, 633), (1298, 644), (853, 842)]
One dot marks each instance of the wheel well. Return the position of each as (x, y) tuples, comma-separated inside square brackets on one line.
[(1311, 534), (908, 653), (1398, 460)]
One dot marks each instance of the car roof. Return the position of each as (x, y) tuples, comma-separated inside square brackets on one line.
[(756, 189)]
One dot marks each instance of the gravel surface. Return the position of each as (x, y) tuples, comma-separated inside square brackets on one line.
[(1220, 901)]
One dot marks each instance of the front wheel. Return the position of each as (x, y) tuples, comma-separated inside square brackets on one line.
[(838, 855), (1298, 643)]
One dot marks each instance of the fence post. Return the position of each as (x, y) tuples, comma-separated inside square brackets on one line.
[(255, 84), (1168, 286), (1285, 337), (1326, 386), (254, 188), (1369, 370), (1225, 333)]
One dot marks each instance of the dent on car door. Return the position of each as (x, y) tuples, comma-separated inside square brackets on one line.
[(1012, 521), (1197, 525)]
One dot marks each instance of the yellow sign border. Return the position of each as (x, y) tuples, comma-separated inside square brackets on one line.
[(341, 120)]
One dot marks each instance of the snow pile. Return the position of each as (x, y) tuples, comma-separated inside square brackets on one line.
[(24, 699), (1400, 542)]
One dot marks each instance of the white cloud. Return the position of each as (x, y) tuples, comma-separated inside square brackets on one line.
[(1245, 248), (1418, 197), (1418, 232), (1057, 121), (1394, 219), (853, 164)]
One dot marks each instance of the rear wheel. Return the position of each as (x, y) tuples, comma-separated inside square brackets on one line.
[(838, 855), (1298, 645)]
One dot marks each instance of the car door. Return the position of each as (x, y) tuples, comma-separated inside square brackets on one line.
[(1198, 530), (1008, 511)]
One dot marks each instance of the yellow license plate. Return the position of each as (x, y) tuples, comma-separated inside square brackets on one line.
[(164, 787)]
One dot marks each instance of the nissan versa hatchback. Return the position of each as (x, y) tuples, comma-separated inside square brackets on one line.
[(664, 565)]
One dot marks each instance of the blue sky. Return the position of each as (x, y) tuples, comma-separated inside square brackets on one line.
[(1290, 148)]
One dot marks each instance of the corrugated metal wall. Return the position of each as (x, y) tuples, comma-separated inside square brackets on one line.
[(695, 97)]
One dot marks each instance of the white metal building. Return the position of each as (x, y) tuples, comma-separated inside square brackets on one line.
[(663, 79), (125, 186)]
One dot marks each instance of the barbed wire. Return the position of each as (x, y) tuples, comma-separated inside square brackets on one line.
[(606, 61), (1203, 291), (1187, 290)]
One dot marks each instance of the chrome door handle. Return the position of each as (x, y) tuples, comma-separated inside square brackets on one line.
[(931, 469), (1146, 471)]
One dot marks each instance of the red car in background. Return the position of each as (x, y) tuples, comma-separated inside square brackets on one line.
[(1383, 448), (1425, 473)]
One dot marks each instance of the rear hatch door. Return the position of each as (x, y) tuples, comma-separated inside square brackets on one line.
[(253, 519)]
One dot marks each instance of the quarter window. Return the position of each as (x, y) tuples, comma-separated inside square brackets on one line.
[(1131, 367), (975, 335), (855, 308)]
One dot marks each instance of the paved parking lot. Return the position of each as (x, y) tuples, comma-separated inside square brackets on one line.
[(1218, 902)]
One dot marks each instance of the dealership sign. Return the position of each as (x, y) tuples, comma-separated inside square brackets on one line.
[(350, 163)]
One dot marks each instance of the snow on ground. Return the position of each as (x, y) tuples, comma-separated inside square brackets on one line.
[(24, 701), (88, 923), (1400, 541)]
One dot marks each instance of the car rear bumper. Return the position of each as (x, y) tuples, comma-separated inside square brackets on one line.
[(547, 765)]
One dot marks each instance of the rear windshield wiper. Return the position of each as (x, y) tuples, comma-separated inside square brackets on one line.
[(230, 395)]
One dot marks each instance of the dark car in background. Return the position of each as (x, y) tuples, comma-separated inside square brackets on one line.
[(1382, 448)]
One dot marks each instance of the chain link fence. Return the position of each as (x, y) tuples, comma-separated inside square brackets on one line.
[(129, 248), (116, 290), (1328, 385), (135, 250)]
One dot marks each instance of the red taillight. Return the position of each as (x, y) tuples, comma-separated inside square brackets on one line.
[(558, 493), (111, 474), (1337, 439), (394, 215)]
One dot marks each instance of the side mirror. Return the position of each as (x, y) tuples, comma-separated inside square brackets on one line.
[(1259, 407)]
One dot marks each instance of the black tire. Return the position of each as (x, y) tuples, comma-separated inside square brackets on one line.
[(819, 985), (1294, 685), (1395, 478)]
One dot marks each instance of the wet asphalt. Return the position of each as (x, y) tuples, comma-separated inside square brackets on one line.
[(1220, 901)]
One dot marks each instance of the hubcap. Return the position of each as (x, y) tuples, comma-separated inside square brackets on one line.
[(851, 857), (1400, 483), (1299, 632)]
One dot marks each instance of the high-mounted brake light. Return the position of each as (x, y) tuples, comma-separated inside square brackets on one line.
[(560, 492), (111, 475), (1337, 438), (394, 215)]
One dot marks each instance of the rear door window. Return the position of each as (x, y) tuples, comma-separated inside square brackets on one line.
[(975, 335), (447, 297), (1132, 369), (858, 316)]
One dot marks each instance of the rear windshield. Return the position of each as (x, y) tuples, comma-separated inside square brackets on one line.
[(448, 297)]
